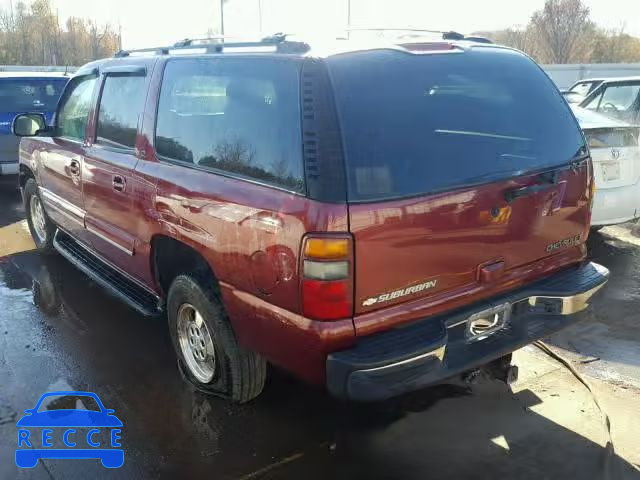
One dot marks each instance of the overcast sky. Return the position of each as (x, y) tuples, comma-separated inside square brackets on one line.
[(149, 22)]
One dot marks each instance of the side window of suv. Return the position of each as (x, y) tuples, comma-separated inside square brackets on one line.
[(121, 102), (234, 116), (73, 112)]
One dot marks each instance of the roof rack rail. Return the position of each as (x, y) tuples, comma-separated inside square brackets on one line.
[(217, 44), (474, 38), (446, 35)]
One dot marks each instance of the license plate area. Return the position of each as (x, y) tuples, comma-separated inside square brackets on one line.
[(610, 170), (483, 324)]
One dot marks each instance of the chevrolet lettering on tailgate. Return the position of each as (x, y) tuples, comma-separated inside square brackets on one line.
[(567, 242)]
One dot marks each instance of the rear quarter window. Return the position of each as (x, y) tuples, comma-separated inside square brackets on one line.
[(236, 116), (416, 124)]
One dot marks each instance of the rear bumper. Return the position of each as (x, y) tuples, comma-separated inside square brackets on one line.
[(406, 359), (8, 168), (616, 205)]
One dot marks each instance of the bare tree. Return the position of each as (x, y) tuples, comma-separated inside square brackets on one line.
[(615, 46), (562, 30), (520, 38), (32, 35)]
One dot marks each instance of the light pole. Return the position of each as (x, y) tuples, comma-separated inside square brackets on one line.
[(222, 18)]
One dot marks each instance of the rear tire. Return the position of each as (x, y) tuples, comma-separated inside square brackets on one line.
[(208, 352), (40, 225)]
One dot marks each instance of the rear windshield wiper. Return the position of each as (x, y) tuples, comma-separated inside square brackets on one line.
[(578, 159), (548, 178)]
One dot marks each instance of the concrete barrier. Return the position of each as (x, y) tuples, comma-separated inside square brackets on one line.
[(36, 68), (567, 75)]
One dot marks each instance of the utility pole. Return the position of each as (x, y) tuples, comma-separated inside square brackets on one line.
[(222, 18)]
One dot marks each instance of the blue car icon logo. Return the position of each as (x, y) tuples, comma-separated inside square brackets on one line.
[(80, 431)]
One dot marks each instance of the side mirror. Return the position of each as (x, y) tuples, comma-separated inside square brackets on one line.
[(29, 124)]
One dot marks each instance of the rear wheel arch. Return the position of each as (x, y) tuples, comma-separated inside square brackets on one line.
[(171, 258), (24, 174), (187, 280)]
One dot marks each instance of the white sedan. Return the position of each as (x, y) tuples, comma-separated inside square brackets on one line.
[(616, 163)]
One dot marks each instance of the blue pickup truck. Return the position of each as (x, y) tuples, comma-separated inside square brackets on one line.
[(20, 92)]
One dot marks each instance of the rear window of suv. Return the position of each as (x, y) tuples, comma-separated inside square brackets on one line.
[(416, 124)]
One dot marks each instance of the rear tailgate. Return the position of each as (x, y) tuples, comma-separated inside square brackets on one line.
[(459, 174), (453, 242)]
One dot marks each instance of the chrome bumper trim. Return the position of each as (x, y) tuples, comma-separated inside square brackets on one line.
[(570, 306), (437, 353)]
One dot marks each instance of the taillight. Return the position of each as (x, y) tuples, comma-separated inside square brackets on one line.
[(327, 277)]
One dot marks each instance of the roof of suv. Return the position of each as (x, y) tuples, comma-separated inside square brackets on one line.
[(318, 47), (416, 46), (282, 47)]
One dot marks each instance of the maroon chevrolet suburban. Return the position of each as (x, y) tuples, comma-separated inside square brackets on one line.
[(373, 218)]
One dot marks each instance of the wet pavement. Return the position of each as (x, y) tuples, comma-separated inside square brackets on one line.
[(60, 331)]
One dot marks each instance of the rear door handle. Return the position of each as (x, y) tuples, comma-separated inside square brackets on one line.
[(118, 183)]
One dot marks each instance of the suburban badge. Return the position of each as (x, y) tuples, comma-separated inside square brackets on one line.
[(385, 297)]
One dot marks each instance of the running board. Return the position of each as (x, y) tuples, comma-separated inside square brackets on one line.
[(107, 276)]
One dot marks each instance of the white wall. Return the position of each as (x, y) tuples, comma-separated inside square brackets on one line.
[(567, 75), (33, 68)]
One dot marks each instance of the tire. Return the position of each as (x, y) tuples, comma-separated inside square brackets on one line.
[(237, 374), (43, 230)]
